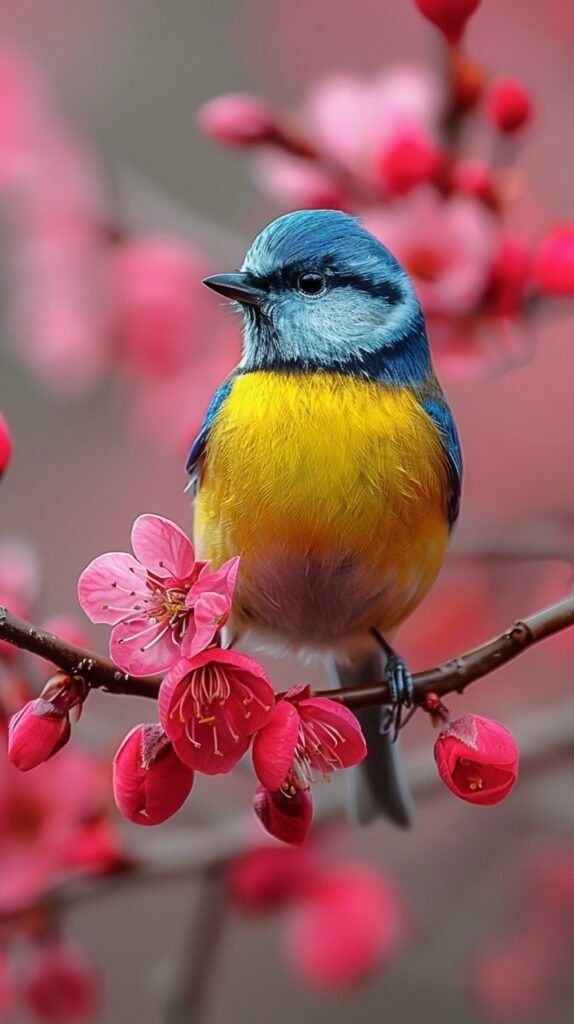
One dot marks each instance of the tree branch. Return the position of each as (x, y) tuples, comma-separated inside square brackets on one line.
[(449, 677)]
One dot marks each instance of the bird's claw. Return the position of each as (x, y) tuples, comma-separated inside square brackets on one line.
[(400, 681)]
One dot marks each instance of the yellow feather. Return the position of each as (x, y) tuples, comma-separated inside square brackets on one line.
[(326, 468)]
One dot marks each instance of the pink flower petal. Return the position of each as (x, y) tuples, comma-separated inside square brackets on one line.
[(140, 648), (162, 546), (286, 817), (220, 582), (274, 746), (351, 747), (110, 586)]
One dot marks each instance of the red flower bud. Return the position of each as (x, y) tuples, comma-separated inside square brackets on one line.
[(553, 266), (477, 759), (508, 105), (150, 782), (285, 814), (5, 444), (509, 274), (60, 985), (268, 878), (236, 120), (37, 732), (450, 16), (409, 161)]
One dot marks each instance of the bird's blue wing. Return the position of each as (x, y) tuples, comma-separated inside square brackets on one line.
[(193, 464), (442, 417)]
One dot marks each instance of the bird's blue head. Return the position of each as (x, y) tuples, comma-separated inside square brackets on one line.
[(318, 292)]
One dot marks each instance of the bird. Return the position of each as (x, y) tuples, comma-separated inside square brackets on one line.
[(330, 462)]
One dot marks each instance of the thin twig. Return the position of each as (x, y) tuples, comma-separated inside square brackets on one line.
[(451, 676), (196, 960)]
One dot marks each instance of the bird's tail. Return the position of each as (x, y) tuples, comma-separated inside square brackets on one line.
[(378, 785)]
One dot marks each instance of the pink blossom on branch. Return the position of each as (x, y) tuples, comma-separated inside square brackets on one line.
[(150, 782), (477, 759), (305, 734), (211, 705), (150, 599)]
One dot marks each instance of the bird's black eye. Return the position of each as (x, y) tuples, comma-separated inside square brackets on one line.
[(311, 282)]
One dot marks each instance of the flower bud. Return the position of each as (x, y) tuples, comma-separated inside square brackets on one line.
[(508, 105), (60, 985), (268, 878), (477, 759), (449, 16), (5, 445), (150, 782), (285, 815), (553, 265), (237, 120), (37, 732), (409, 160)]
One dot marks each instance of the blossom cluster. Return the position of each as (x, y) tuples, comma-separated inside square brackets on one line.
[(398, 149), (168, 611)]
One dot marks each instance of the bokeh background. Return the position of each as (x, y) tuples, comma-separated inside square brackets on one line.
[(130, 78)]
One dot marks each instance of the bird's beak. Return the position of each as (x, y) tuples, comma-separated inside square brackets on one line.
[(237, 287)]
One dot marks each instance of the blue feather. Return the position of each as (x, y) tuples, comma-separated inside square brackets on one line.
[(442, 417), (198, 447)]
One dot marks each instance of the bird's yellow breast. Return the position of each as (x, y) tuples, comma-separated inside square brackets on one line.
[(324, 483)]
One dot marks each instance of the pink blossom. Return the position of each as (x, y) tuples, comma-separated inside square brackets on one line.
[(37, 732), (350, 923), (352, 120), (477, 759), (150, 781), (159, 307), (148, 599), (264, 879), (211, 705), (95, 848), (446, 246), (237, 120), (40, 813), (286, 814), (60, 984), (5, 445), (306, 734)]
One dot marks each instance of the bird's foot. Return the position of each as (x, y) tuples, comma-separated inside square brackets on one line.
[(399, 680), (401, 687)]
